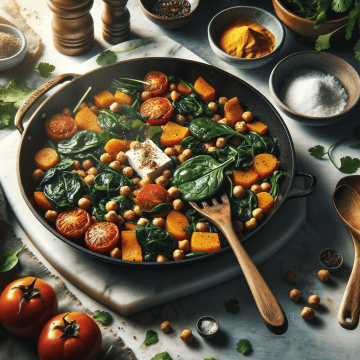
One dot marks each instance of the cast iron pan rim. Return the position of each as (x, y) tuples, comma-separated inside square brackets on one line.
[(145, 265)]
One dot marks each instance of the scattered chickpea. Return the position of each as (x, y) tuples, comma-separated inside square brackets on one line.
[(106, 158), (116, 165), (295, 294), (89, 179), (181, 158), (134, 144), (258, 214), (178, 255), (94, 109), (82, 173), (201, 227), (239, 191), (178, 204), (120, 221), (170, 151), (111, 216), (216, 117), (221, 142), (37, 175), (256, 189), (241, 127), (291, 276), (129, 215), (159, 222), (145, 181), (174, 192), (187, 153), (115, 253), (186, 335), (167, 174), (223, 100), (211, 149), (265, 186), (178, 149), (165, 326), (84, 203), (136, 210), (51, 216), (76, 165), (238, 226), (136, 182), (307, 313), (115, 107), (184, 245), (314, 301), (92, 171), (128, 172), (67, 112), (111, 206), (235, 141), (225, 122), (81, 106), (175, 95), (125, 191), (172, 87), (189, 117), (180, 119), (145, 95), (323, 275), (142, 221), (162, 181), (210, 144), (213, 106), (121, 157), (161, 258), (247, 116), (87, 164), (251, 224)]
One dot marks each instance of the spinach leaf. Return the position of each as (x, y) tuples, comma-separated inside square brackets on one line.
[(82, 141), (157, 209), (99, 206), (138, 124), (113, 122), (242, 157), (241, 209), (129, 112), (62, 165), (175, 79), (128, 86), (195, 254), (275, 180), (262, 143), (154, 241), (193, 105), (9, 258), (154, 133), (111, 181), (196, 147)]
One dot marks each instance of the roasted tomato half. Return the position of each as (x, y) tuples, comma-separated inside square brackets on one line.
[(102, 237), (26, 305), (72, 224), (156, 111), (157, 83), (60, 127)]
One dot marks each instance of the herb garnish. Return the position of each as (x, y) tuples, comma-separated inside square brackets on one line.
[(9, 258), (162, 356), (81, 100), (231, 306), (243, 346), (108, 351), (102, 316), (151, 338), (45, 69)]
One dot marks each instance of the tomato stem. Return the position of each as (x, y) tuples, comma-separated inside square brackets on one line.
[(28, 293), (69, 329)]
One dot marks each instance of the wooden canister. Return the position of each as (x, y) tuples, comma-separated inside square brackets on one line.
[(72, 26)]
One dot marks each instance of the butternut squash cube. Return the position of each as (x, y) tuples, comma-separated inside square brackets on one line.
[(129, 226), (233, 111), (258, 127), (123, 98), (131, 250), (206, 91), (87, 120), (114, 146), (202, 241), (173, 134), (103, 100)]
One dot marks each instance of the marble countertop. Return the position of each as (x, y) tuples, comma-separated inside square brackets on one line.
[(322, 338)]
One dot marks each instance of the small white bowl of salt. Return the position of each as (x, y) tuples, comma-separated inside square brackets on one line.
[(315, 88), (207, 327)]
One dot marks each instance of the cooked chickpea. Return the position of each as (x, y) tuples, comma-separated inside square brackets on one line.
[(184, 245), (221, 142), (89, 179), (223, 100), (92, 171), (201, 227), (136, 210), (251, 224), (111, 206), (81, 106), (84, 203), (167, 174), (76, 165), (213, 106), (256, 189), (94, 109), (265, 186), (82, 173), (295, 294), (87, 164), (136, 182), (211, 149), (181, 158), (128, 172), (210, 144), (142, 221), (125, 191), (37, 175), (247, 116), (216, 118), (170, 151), (51, 216), (121, 157), (258, 214), (235, 141), (162, 181), (67, 112), (291, 276), (159, 222), (172, 87), (136, 192), (106, 158), (115, 253), (165, 325), (178, 149), (180, 119), (241, 127), (178, 204), (187, 153), (135, 144), (89, 104), (323, 275), (115, 107), (111, 216), (225, 122), (178, 255), (314, 301), (120, 221), (186, 335), (145, 181), (129, 215), (189, 117), (239, 191), (307, 313), (145, 95), (161, 258), (238, 226), (175, 95), (116, 165), (174, 192)]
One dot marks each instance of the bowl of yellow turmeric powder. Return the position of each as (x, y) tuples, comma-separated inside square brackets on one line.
[(246, 36)]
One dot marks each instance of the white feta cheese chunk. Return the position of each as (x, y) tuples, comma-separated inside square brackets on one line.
[(148, 160)]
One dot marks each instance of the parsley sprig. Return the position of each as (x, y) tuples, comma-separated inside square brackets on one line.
[(243, 346), (102, 316), (151, 337)]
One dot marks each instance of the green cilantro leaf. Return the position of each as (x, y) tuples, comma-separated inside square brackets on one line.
[(4, 120), (349, 165), (357, 132), (154, 133), (162, 356), (243, 346), (317, 151), (323, 42), (231, 306), (138, 124), (106, 58), (357, 51), (357, 146), (151, 337), (321, 19), (15, 93), (102, 316), (341, 5), (45, 69), (353, 18)]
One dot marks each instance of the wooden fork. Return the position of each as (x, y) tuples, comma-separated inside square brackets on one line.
[(269, 308)]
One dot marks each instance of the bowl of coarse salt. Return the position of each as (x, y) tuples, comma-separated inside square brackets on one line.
[(207, 327), (315, 88)]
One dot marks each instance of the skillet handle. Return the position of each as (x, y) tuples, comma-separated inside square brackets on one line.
[(296, 193), (37, 94)]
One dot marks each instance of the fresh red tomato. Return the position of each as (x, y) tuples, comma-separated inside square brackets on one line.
[(72, 224), (157, 83), (70, 336), (60, 127), (102, 237), (26, 305), (156, 111)]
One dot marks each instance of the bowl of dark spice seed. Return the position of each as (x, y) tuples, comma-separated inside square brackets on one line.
[(315, 88), (13, 46), (170, 14), (331, 259)]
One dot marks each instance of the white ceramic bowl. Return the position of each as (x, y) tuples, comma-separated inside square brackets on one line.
[(19, 56), (262, 17)]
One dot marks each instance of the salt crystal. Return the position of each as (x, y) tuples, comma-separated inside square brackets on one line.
[(313, 93), (208, 327)]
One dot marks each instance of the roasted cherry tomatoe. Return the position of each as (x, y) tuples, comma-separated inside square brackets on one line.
[(26, 305), (156, 111), (102, 237), (70, 336), (157, 83), (60, 127), (72, 224)]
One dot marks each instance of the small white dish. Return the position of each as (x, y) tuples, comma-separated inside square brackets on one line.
[(16, 59)]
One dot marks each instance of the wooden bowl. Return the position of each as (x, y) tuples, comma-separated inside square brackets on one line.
[(146, 6), (303, 29), (320, 61)]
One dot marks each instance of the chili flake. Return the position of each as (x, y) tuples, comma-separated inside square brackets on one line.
[(166, 9), (331, 259)]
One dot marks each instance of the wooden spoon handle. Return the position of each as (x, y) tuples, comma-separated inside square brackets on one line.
[(348, 316), (269, 308)]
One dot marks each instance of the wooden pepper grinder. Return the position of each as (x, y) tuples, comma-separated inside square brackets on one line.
[(116, 21), (72, 26)]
